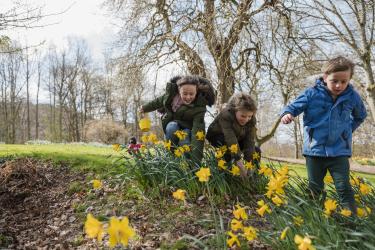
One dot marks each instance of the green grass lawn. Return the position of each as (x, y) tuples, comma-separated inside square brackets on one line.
[(79, 157)]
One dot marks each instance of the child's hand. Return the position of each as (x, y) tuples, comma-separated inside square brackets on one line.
[(287, 118)]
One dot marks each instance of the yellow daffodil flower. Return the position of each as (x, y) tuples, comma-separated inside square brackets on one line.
[(328, 179), (256, 156), (364, 189), (265, 170), (179, 152), (145, 124), (284, 170), (277, 200), (221, 164), (233, 148), (233, 240), (97, 184), (186, 148), (179, 194), (345, 212), (363, 212), (284, 233), (181, 135), (152, 138), (263, 208), (116, 147), (249, 165), (94, 228), (219, 154), (240, 213), (203, 174), (200, 135), (250, 233), (168, 144), (357, 198), (303, 243), (235, 170), (298, 220), (119, 231), (223, 148), (144, 138), (329, 206), (355, 181), (236, 225)]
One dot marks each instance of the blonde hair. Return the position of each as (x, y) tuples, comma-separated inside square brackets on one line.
[(337, 64), (242, 101)]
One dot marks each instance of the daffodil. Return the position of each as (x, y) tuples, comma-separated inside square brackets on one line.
[(179, 194), (329, 206), (284, 233), (235, 170), (233, 148), (303, 243), (265, 170), (240, 213), (116, 147), (345, 212), (276, 185), (168, 144), (355, 181), (94, 228), (203, 174), (152, 138), (250, 233), (277, 200), (119, 231), (186, 148), (256, 156), (200, 135), (236, 225), (284, 170), (249, 165), (144, 138), (363, 212), (364, 189), (357, 198), (181, 135), (297, 220), (221, 164), (97, 184), (223, 148), (179, 152), (263, 208), (233, 240), (328, 179), (145, 124), (219, 154)]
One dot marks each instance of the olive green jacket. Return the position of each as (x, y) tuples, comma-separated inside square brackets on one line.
[(189, 116), (226, 124)]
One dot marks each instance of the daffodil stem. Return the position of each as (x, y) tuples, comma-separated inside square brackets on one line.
[(213, 208)]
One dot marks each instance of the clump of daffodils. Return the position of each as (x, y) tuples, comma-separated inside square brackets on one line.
[(239, 229)]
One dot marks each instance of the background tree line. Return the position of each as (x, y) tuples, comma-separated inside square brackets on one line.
[(271, 49)]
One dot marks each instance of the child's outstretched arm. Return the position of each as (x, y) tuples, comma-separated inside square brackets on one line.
[(152, 105), (296, 107)]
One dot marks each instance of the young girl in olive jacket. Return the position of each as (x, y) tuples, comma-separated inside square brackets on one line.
[(235, 125), (184, 106)]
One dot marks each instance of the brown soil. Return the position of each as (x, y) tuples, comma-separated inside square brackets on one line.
[(35, 211)]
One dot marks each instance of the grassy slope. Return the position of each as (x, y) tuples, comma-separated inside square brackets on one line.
[(79, 157)]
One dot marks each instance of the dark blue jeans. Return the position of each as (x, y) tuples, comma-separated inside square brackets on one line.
[(338, 167)]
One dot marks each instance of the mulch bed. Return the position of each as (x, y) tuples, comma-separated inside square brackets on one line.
[(36, 212)]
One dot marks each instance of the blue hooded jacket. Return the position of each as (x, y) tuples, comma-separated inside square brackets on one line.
[(328, 124)]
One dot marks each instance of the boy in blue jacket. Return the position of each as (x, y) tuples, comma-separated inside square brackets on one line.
[(333, 110)]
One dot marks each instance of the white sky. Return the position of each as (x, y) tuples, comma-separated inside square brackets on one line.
[(81, 18)]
